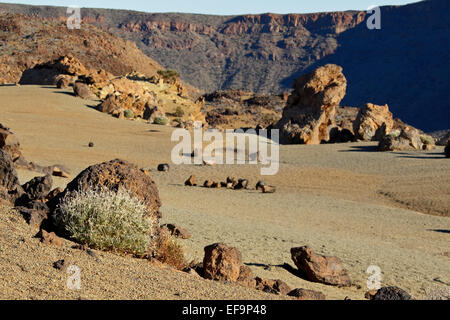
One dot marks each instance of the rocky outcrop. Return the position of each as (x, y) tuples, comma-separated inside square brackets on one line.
[(82, 90), (373, 122), (318, 268), (222, 263), (311, 109), (114, 175)]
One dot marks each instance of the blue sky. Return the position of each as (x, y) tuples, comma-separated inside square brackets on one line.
[(223, 7)]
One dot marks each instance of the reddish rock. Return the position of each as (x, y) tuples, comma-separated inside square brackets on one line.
[(49, 238), (191, 182), (246, 278), (318, 268), (268, 189), (222, 263), (38, 188), (272, 286), (304, 294)]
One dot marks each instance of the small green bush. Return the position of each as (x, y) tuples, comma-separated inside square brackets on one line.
[(179, 112), (163, 121), (128, 114), (168, 74), (107, 220), (426, 139)]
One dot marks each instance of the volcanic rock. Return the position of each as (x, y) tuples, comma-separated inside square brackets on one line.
[(370, 120), (304, 294), (222, 263), (318, 268)]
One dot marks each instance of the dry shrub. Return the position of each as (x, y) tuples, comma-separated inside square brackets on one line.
[(169, 251)]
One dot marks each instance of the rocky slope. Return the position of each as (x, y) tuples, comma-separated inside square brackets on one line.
[(404, 64)]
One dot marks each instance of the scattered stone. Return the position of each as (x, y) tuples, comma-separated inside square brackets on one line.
[(82, 90), (191, 271), (163, 167), (91, 145), (246, 278), (61, 265), (208, 184), (222, 263), (210, 163), (35, 216), (373, 122), (272, 286), (191, 182), (260, 185), (310, 111), (268, 189), (242, 184), (391, 293), (370, 294), (60, 171), (216, 185), (176, 231), (49, 238), (318, 268), (304, 294)]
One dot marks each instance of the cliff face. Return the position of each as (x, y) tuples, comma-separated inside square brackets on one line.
[(405, 64)]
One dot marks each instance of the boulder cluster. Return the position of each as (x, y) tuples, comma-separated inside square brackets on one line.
[(231, 183), (312, 116)]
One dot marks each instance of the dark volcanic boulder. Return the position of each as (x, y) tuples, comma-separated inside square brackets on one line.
[(114, 175), (391, 293), (311, 109), (322, 269), (304, 294), (38, 188), (10, 188)]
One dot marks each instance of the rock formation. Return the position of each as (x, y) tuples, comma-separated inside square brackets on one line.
[(373, 122), (311, 109)]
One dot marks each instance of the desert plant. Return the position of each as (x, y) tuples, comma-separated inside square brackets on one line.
[(170, 252), (163, 121), (426, 139), (128, 114), (168, 74), (107, 220), (179, 112)]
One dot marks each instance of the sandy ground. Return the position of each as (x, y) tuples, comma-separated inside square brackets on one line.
[(366, 207)]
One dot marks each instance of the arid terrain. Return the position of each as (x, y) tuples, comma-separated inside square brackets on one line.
[(389, 209)]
